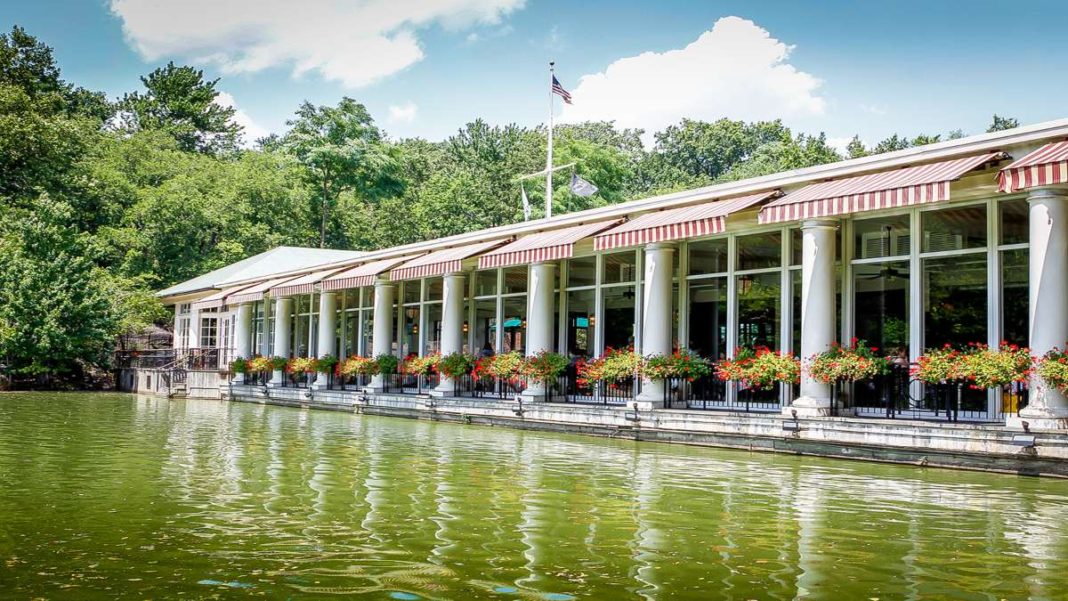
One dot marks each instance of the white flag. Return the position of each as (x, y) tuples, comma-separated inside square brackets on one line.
[(526, 203), (581, 187)]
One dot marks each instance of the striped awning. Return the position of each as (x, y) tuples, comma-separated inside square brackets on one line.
[(885, 190), (217, 299), (361, 275), (543, 246), (1044, 167), (305, 284), (677, 224), (440, 262), (256, 291)]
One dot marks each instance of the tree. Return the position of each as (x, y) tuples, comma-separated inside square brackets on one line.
[(58, 319), (1002, 123), (179, 101), (856, 149), (341, 150)]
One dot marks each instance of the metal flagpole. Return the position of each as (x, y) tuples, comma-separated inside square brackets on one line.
[(549, 155)]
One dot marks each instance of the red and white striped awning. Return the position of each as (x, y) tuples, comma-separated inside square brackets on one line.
[(1044, 167), (898, 188), (361, 275), (256, 291), (677, 224), (305, 284), (441, 262), (543, 246), (217, 299)]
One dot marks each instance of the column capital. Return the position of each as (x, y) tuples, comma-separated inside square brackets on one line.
[(654, 246), (383, 282), (819, 224), (328, 293), (1045, 193)]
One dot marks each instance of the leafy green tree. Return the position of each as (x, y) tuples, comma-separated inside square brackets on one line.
[(57, 319), (856, 149), (1000, 123), (179, 101), (342, 150)]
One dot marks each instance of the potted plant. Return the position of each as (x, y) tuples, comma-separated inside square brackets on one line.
[(239, 366), (505, 368), (682, 364), (945, 365), (850, 363), (301, 367), (387, 364), (456, 365), (420, 366), (615, 370), (544, 366), (1053, 369), (327, 364), (760, 368), (997, 368)]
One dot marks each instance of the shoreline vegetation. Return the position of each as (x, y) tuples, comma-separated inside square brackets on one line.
[(111, 199)]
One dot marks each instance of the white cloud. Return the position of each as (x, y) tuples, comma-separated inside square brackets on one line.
[(735, 70), (253, 131), (352, 43), (873, 109), (404, 113), (839, 144)]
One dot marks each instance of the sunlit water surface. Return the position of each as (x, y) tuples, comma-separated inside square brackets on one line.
[(111, 496)]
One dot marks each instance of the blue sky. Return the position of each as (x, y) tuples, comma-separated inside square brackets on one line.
[(424, 68)]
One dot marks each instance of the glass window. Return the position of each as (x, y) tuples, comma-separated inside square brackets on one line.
[(954, 229), (582, 272), (209, 331), (514, 323), (620, 267), (708, 318), (708, 256), (1014, 221), (434, 289), (955, 307), (881, 237), (433, 324), (366, 333), (410, 331), (411, 291), (759, 309), (352, 333), (881, 309), (618, 317), (368, 297), (796, 245), (1014, 296), (760, 251), (486, 282), (486, 326), (515, 280), (580, 323)]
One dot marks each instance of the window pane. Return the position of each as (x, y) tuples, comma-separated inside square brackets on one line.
[(486, 326), (760, 251), (618, 317), (434, 288), (580, 323), (368, 297), (796, 244), (486, 282), (882, 237), (955, 311), (368, 318), (1014, 292), (708, 256), (514, 323), (515, 280), (881, 314), (759, 309), (620, 267), (433, 324), (582, 272), (411, 292), (954, 229), (708, 318), (1014, 221), (410, 331)]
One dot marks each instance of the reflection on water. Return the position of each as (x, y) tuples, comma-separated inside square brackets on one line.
[(109, 496)]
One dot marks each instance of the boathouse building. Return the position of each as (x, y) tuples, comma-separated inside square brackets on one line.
[(950, 243)]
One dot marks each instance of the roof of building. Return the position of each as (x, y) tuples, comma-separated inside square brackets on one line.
[(278, 260)]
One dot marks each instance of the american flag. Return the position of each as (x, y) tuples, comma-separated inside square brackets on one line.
[(560, 91)]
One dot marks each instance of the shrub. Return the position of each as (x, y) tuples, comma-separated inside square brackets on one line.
[(506, 366), (760, 368), (615, 364), (260, 364), (278, 363), (300, 365), (455, 365), (326, 364), (420, 366), (1053, 368), (239, 366), (544, 366), (996, 368), (847, 363), (364, 366), (387, 364), (680, 364)]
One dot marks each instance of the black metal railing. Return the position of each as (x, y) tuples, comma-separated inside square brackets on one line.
[(409, 383), (149, 359), (604, 392), (897, 394), (350, 382), (485, 387), (711, 393)]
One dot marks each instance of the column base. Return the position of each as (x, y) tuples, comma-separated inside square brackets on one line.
[(651, 396), (646, 404), (1039, 418), (277, 378), (808, 407), (320, 382)]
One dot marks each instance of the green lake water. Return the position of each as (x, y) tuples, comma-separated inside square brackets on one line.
[(107, 496)]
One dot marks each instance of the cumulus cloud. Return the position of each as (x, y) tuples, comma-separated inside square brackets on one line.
[(253, 131), (734, 70), (404, 113), (349, 42)]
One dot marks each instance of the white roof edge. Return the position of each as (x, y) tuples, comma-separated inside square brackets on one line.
[(930, 152)]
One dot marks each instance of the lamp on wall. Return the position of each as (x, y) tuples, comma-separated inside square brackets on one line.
[(467, 327)]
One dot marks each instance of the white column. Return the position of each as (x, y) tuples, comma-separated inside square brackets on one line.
[(242, 342), (382, 334), (540, 321), (656, 317), (1047, 407), (327, 333), (283, 310), (817, 312), (452, 325)]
